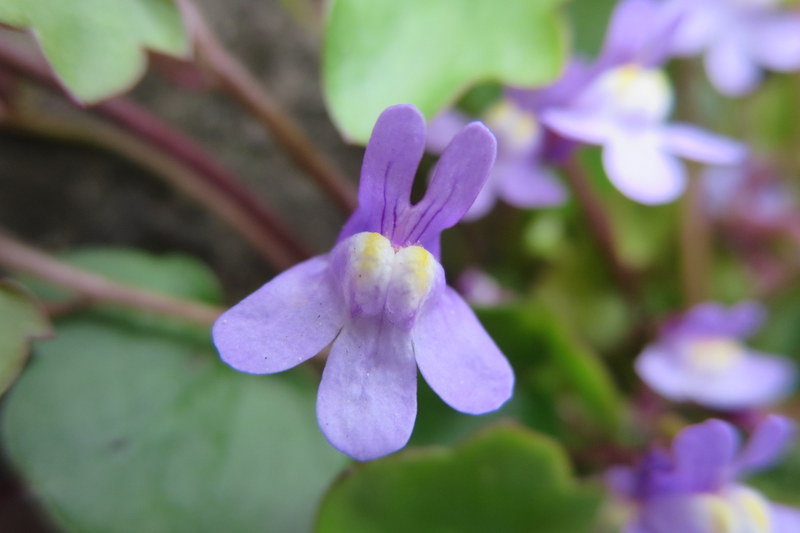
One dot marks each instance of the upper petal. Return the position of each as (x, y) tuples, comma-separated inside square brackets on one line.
[(711, 318), (777, 42), (458, 359), (367, 400), (766, 444), (639, 167), (730, 66), (393, 153), (458, 177), (526, 183), (285, 322), (704, 454)]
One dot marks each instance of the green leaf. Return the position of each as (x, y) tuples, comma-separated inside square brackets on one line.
[(428, 52), (507, 479), (589, 20), (96, 47), (122, 424), (21, 320), (119, 432)]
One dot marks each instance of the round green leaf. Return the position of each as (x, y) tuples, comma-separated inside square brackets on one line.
[(96, 47), (21, 320), (427, 52), (506, 479), (120, 432)]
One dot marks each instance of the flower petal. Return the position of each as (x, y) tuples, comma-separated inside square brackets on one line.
[(704, 454), (697, 144), (584, 126), (640, 31), (777, 42), (443, 127), (285, 322), (682, 513), (662, 371), (387, 174), (730, 67), (766, 444), (367, 399), (758, 380), (525, 183), (713, 319), (458, 359), (785, 519), (639, 167), (458, 177)]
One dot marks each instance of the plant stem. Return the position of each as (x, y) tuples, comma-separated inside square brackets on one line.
[(600, 226), (20, 257), (695, 243), (243, 86), (114, 140), (173, 144)]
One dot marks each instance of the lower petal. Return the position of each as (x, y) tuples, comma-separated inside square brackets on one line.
[(527, 184), (730, 67), (777, 42), (288, 320), (367, 400), (458, 359), (785, 519), (660, 370), (639, 167)]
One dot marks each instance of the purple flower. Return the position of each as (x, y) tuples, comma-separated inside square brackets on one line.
[(624, 105), (380, 297), (693, 488), (700, 357), (520, 175), (739, 37)]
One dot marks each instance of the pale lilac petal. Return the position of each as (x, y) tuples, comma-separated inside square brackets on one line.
[(458, 359), (712, 319), (730, 67), (697, 144), (639, 167), (443, 127), (640, 31), (590, 128), (766, 444), (700, 23), (285, 322), (525, 183), (367, 399), (390, 163), (457, 178), (785, 519), (483, 203), (777, 42), (757, 381), (704, 454), (661, 370)]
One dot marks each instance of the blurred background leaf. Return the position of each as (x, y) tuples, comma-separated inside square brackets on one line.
[(429, 52), (97, 47), (505, 479)]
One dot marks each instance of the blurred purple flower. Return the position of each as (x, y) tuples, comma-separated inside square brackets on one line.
[(623, 106), (520, 175), (380, 297), (693, 488), (700, 357), (739, 38)]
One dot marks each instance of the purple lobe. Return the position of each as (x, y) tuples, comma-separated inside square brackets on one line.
[(458, 359), (704, 454), (285, 322), (766, 444), (367, 400)]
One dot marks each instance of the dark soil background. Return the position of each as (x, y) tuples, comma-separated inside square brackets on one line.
[(60, 196)]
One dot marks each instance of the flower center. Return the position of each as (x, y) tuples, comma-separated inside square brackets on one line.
[(711, 356), (757, 4), (635, 92), (381, 279), (516, 128), (737, 510)]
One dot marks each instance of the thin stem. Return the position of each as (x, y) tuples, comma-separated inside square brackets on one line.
[(116, 141), (695, 242), (600, 226), (139, 122), (20, 257), (243, 86)]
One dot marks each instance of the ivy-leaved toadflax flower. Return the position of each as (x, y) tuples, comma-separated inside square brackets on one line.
[(380, 296)]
